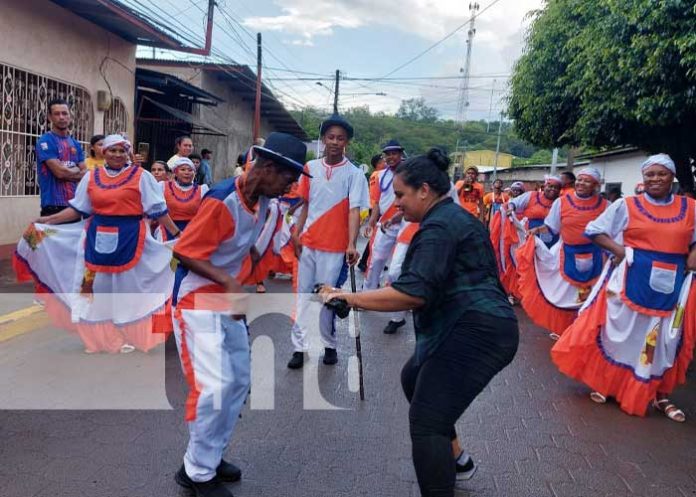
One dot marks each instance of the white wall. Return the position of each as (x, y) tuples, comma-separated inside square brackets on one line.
[(40, 37), (620, 168)]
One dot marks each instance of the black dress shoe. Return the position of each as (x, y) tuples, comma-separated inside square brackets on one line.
[(330, 356), (297, 360), (228, 472), (212, 488), (393, 326)]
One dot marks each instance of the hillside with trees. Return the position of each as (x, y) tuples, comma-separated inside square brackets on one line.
[(417, 127)]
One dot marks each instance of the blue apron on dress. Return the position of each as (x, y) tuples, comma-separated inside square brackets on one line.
[(655, 279), (548, 238), (112, 241), (582, 263), (179, 224)]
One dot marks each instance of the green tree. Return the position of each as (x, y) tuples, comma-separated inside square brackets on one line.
[(415, 109), (372, 130), (608, 73)]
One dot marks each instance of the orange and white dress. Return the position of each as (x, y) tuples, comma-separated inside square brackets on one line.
[(634, 336), (182, 202), (554, 282), (105, 277)]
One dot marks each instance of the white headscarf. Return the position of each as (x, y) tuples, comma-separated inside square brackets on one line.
[(113, 140), (552, 178), (183, 161), (663, 160), (519, 185), (592, 172)]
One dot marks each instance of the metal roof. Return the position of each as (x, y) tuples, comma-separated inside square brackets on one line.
[(198, 126), (123, 21), (159, 81), (242, 81)]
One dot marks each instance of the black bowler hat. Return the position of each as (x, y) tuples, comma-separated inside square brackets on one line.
[(284, 150), (392, 145), (336, 120)]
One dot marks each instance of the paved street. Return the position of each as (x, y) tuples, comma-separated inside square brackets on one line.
[(533, 432)]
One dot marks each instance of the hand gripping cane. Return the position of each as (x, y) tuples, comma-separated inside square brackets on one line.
[(358, 348)]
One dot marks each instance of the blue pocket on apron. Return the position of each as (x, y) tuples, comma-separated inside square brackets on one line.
[(655, 279), (582, 263), (113, 242)]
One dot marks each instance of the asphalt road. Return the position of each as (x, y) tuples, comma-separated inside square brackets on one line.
[(97, 425)]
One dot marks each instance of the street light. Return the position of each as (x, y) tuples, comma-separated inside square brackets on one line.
[(319, 83)]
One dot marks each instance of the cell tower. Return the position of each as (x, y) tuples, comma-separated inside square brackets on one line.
[(463, 103)]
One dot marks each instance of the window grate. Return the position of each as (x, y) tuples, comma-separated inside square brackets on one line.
[(24, 118), (116, 118)]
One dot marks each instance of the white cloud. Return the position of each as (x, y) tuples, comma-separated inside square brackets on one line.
[(498, 42), (430, 19)]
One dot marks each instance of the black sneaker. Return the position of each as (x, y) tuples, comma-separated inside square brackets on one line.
[(393, 326), (466, 471), (228, 472), (330, 356), (212, 488), (297, 360)]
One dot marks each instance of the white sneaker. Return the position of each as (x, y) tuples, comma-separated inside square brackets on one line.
[(466, 471)]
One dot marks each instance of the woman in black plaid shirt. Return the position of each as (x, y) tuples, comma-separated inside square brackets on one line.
[(466, 330)]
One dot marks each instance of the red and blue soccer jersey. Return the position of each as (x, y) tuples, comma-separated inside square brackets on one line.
[(67, 150)]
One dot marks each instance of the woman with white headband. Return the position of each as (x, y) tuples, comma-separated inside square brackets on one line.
[(182, 195), (505, 239), (554, 282), (634, 337), (524, 212), (106, 276)]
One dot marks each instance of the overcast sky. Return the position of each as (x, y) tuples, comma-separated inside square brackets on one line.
[(368, 39)]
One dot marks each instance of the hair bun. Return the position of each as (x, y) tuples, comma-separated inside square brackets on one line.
[(439, 158)]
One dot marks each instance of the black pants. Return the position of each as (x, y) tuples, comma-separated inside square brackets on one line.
[(365, 256), (443, 386), (49, 210)]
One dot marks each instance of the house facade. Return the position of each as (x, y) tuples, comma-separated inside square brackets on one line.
[(79, 50)]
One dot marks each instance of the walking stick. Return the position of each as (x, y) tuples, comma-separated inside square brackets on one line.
[(358, 348)]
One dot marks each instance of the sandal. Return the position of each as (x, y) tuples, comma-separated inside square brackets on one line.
[(598, 398), (670, 410), (260, 288), (126, 348), (554, 336)]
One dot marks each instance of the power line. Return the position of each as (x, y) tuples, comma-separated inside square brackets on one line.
[(439, 42)]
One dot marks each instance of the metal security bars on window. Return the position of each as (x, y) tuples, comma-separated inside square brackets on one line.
[(116, 118), (24, 118)]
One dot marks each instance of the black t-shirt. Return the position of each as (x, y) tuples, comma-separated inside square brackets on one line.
[(451, 265)]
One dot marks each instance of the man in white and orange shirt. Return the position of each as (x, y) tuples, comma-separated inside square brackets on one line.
[(385, 217), (211, 334), (326, 234)]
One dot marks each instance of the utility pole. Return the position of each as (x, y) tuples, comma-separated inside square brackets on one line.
[(257, 107), (466, 72), (338, 77), (490, 109), (554, 160), (497, 148)]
